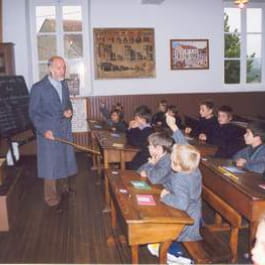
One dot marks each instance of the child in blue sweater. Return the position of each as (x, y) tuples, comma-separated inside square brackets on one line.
[(158, 165), (182, 190), (157, 168), (252, 157), (114, 118)]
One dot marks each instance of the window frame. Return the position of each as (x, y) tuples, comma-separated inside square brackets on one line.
[(86, 89), (243, 85)]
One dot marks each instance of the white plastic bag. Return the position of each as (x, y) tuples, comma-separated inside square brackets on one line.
[(9, 158)]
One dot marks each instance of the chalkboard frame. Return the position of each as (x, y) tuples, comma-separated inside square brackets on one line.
[(14, 103)]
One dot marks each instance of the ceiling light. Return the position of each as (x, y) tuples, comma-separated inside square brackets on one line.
[(241, 3)]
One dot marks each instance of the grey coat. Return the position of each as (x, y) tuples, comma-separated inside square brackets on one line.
[(185, 194), (255, 160), (158, 173), (55, 160)]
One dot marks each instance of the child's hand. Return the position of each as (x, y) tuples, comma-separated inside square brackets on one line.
[(154, 158), (188, 130), (163, 193), (241, 162), (171, 122), (143, 174), (133, 124), (203, 137)]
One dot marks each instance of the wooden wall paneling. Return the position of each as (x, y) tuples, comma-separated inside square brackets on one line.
[(249, 103)]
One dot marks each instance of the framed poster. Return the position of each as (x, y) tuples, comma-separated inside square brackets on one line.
[(79, 119), (189, 54), (124, 52), (73, 83)]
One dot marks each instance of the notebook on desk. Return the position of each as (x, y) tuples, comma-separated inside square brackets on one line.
[(234, 169), (227, 173), (145, 199), (142, 185)]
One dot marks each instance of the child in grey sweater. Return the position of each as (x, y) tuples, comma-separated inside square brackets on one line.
[(158, 166)]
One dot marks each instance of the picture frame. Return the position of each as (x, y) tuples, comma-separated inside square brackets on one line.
[(124, 53), (189, 54), (80, 114)]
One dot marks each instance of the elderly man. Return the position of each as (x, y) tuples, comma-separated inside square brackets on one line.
[(50, 110)]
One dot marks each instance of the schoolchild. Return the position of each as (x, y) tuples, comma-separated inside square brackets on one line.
[(137, 134), (158, 119), (173, 111), (113, 118), (207, 123), (158, 166), (228, 137), (252, 157), (182, 190)]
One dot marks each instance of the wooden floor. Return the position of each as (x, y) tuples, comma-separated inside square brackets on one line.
[(78, 235)]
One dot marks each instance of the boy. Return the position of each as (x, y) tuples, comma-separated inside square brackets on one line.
[(158, 118), (227, 136), (137, 134), (160, 143), (173, 111), (183, 188), (113, 118), (158, 165), (252, 157), (207, 123)]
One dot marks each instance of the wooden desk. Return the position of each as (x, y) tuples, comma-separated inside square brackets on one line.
[(204, 148), (114, 149), (143, 224), (113, 154), (243, 194), (94, 126)]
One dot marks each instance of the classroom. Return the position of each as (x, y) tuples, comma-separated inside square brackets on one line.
[(132, 132)]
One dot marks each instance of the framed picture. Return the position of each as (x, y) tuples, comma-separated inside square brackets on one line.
[(189, 54), (73, 83), (124, 52), (79, 119)]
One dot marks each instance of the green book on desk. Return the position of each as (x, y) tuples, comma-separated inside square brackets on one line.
[(138, 184)]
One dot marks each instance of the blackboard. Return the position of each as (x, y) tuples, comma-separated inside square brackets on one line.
[(14, 103)]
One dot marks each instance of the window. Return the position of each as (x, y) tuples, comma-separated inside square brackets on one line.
[(243, 38), (58, 30)]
